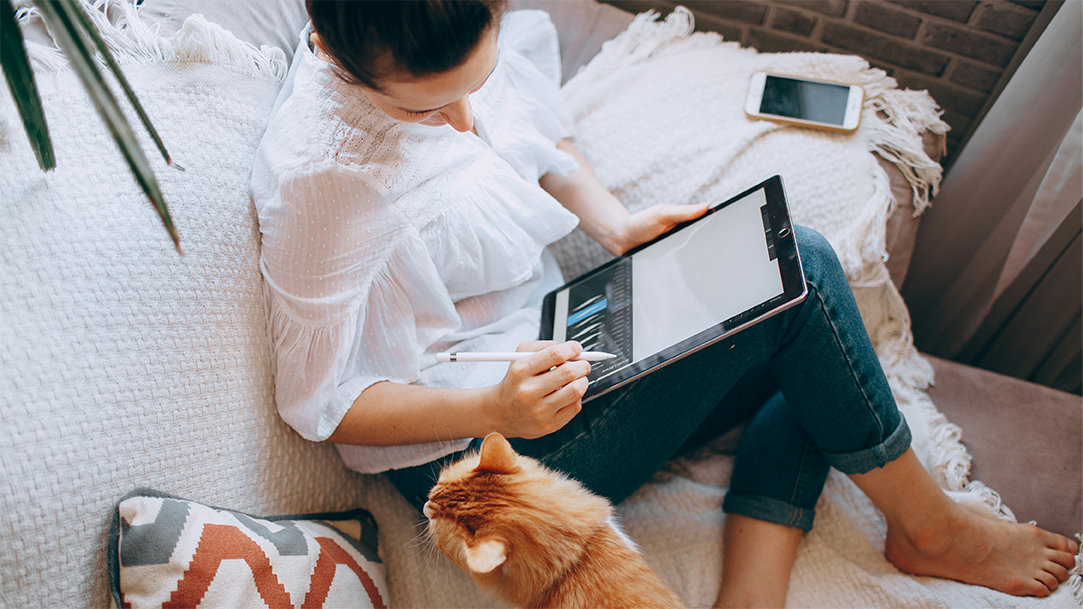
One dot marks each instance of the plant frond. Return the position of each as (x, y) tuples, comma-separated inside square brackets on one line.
[(67, 26), (20, 79)]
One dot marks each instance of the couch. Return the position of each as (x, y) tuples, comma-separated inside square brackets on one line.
[(126, 365)]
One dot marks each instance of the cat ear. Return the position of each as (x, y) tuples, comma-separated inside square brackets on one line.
[(497, 455), (486, 556)]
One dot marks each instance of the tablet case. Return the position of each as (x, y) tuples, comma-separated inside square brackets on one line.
[(600, 296)]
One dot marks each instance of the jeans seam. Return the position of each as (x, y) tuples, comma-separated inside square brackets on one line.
[(800, 473), (849, 361)]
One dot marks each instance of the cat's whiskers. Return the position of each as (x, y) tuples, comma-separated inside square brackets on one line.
[(425, 551), (421, 538)]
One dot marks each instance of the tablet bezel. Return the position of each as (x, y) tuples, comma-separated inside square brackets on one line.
[(793, 282)]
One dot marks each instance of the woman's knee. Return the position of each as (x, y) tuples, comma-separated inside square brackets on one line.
[(818, 258)]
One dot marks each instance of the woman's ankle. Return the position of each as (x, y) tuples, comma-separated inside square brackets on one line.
[(758, 559), (910, 500)]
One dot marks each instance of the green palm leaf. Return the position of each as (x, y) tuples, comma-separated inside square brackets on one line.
[(20, 81), (75, 35), (92, 34)]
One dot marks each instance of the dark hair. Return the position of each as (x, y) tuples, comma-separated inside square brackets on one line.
[(371, 39)]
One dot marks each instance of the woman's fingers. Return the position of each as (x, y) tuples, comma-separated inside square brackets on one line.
[(655, 220), (544, 385), (545, 389), (684, 213), (572, 393), (567, 402), (566, 414), (535, 345), (564, 375), (669, 214), (548, 358)]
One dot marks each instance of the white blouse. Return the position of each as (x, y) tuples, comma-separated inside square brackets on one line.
[(385, 242)]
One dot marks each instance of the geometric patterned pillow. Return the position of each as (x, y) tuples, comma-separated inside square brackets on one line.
[(169, 552)]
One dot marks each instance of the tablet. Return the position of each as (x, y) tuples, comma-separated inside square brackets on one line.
[(695, 285)]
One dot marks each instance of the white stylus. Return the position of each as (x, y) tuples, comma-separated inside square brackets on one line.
[(493, 356)]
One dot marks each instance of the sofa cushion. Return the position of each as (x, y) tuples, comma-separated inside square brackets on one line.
[(1024, 439), (170, 552), (583, 25), (275, 23), (125, 364)]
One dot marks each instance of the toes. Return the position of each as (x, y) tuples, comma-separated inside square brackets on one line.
[(1058, 571), (1070, 545), (1049, 581), (1064, 559), (1027, 587), (1060, 543)]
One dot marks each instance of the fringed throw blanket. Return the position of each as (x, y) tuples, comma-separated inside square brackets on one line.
[(660, 115)]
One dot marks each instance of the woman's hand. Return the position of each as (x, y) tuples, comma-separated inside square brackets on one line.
[(646, 224), (541, 393), (603, 216)]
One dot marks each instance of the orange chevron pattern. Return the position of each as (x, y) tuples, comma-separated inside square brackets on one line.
[(221, 542), (147, 577), (217, 543), (332, 554)]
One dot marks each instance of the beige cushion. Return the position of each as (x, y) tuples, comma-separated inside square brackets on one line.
[(1024, 438)]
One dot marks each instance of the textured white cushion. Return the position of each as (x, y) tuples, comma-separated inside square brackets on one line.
[(124, 364)]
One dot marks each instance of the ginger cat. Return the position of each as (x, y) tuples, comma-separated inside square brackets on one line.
[(536, 538)]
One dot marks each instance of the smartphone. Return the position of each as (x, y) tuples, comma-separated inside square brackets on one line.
[(803, 101)]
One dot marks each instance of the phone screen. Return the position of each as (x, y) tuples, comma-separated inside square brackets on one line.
[(814, 101)]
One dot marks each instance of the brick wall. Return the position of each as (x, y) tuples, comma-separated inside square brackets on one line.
[(955, 49)]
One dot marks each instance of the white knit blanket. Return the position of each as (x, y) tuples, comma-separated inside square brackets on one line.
[(659, 113)]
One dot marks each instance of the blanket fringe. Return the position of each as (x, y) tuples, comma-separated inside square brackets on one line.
[(1075, 576), (131, 40), (644, 38), (895, 119), (907, 114)]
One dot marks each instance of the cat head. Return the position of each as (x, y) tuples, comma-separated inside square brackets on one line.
[(504, 517)]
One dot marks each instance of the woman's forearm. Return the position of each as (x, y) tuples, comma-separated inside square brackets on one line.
[(538, 395), (393, 413), (601, 215)]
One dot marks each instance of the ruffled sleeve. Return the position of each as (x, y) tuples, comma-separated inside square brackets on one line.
[(354, 297), (532, 34), (520, 109)]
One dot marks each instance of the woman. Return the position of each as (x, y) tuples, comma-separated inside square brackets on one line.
[(415, 168)]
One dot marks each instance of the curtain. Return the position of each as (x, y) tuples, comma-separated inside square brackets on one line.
[(996, 279)]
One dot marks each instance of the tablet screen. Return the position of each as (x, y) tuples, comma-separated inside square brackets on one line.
[(707, 273), (692, 286)]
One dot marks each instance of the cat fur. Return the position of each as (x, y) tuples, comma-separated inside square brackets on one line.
[(536, 538)]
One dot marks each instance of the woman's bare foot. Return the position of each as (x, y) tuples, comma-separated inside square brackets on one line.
[(980, 548), (929, 534), (975, 548)]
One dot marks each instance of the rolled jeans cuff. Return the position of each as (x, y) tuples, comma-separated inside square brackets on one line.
[(865, 460), (769, 509)]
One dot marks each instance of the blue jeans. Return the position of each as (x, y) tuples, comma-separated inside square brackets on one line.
[(807, 381)]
